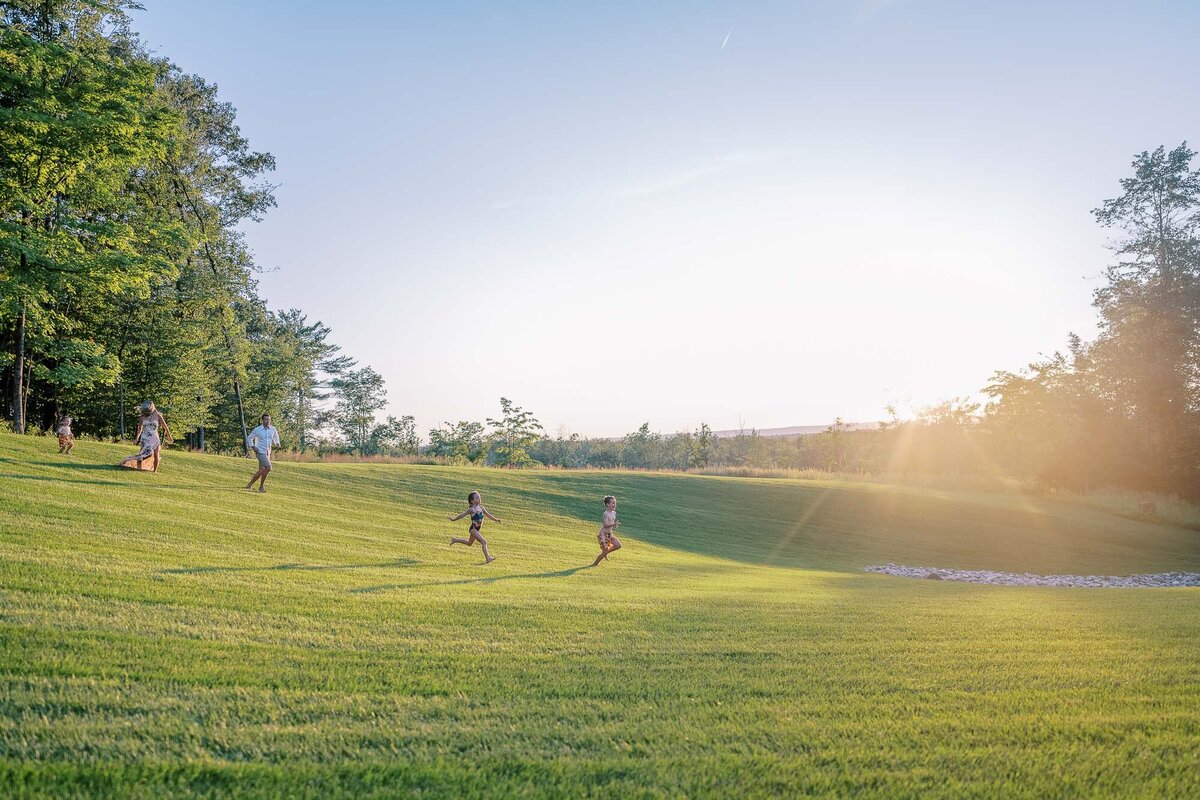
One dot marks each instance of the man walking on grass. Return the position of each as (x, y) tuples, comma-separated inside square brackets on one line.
[(261, 440)]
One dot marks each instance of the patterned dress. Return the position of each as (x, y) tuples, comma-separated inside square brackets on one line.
[(149, 441)]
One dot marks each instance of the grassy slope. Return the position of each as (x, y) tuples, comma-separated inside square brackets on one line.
[(173, 634)]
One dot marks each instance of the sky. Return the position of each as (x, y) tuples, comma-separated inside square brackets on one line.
[(754, 214)]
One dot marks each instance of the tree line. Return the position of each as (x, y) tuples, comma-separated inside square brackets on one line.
[(125, 183), (124, 275), (1120, 410)]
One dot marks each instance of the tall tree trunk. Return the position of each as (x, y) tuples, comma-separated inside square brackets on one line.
[(28, 383), (121, 386), (18, 399), (300, 418), (237, 393), (212, 265)]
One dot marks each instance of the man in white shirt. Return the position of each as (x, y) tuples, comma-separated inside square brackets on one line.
[(261, 440)]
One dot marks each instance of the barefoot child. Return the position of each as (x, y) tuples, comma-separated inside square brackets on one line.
[(609, 543), (66, 439), (478, 512)]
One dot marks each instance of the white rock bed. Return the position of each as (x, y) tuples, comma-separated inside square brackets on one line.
[(1150, 581)]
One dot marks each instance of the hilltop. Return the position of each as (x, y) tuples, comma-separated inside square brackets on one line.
[(174, 635)]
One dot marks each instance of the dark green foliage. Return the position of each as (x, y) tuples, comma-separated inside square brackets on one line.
[(395, 437), (360, 394), (513, 434), (462, 442), (78, 115), (123, 274)]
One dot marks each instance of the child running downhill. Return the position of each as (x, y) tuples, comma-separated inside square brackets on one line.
[(66, 439), (609, 543), (478, 512)]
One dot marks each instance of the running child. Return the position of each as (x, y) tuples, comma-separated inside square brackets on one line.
[(478, 512), (609, 543), (66, 439)]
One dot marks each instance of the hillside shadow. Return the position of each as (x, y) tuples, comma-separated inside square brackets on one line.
[(562, 573), (396, 562), (73, 465), (778, 524), (843, 527), (63, 469), (57, 479), (200, 487)]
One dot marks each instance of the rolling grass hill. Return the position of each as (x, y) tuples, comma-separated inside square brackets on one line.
[(175, 635)]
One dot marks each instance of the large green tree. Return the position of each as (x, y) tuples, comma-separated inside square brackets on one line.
[(360, 394), (291, 370), (514, 434), (77, 115), (1148, 352), (461, 442)]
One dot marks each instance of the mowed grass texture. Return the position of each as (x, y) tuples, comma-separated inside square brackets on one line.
[(173, 635)]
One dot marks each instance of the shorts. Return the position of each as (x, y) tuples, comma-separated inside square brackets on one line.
[(605, 539), (264, 460)]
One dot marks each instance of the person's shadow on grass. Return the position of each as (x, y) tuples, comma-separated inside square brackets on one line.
[(395, 562), (58, 479), (562, 573), (73, 466), (99, 482)]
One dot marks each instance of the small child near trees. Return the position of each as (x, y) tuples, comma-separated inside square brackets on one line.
[(609, 543), (478, 512), (66, 439)]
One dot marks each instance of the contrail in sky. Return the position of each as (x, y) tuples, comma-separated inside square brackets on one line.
[(726, 39)]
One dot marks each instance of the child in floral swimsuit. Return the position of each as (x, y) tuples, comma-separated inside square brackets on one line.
[(66, 439), (478, 512)]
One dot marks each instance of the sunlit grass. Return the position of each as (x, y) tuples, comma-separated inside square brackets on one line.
[(172, 634)]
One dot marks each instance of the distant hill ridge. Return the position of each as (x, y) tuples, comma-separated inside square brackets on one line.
[(797, 430)]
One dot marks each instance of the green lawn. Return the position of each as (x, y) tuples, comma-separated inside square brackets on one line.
[(174, 635)]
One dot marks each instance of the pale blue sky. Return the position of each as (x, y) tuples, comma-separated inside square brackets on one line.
[(596, 211)]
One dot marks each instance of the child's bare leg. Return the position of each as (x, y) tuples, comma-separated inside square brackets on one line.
[(156, 459), (607, 547), (470, 540), (488, 557), (70, 446)]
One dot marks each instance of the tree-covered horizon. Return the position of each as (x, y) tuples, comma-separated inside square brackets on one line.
[(125, 183)]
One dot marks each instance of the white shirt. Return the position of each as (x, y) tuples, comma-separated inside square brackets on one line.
[(263, 438)]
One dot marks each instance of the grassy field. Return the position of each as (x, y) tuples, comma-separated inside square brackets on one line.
[(174, 635)]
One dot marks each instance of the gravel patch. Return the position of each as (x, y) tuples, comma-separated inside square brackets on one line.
[(1150, 581)]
